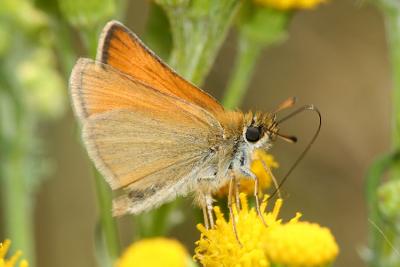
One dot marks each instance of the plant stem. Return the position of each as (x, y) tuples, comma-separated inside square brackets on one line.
[(258, 28), (107, 222), (392, 21), (16, 192), (63, 47), (198, 31), (18, 214), (248, 53)]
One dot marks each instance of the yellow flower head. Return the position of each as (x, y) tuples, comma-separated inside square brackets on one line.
[(219, 247), (260, 158), (155, 252), (290, 4), (301, 244), (263, 245), (13, 259)]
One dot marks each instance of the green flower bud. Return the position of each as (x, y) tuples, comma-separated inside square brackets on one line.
[(389, 200)]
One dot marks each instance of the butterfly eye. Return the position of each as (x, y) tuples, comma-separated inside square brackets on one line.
[(253, 134)]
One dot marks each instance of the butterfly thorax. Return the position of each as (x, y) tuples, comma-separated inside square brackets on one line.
[(242, 134)]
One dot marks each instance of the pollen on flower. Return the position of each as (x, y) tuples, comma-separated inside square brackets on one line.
[(260, 158), (290, 4), (300, 244), (11, 262), (154, 252)]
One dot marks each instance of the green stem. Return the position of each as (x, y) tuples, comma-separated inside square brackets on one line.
[(63, 47), (246, 59), (258, 28), (15, 190), (157, 222), (107, 222), (392, 21), (18, 214), (198, 31)]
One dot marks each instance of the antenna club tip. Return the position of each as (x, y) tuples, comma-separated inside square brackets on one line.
[(311, 106)]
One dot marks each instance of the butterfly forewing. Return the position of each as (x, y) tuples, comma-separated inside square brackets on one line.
[(140, 138), (121, 49)]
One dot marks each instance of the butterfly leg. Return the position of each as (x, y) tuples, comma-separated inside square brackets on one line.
[(256, 189), (209, 207), (232, 183), (272, 178), (237, 193), (256, 197), (206, 221)]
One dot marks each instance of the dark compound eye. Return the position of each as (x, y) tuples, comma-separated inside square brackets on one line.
[(253, 134)]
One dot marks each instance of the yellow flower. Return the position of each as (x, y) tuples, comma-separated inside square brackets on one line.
[(290, 4), (263, 245), (301, 244), (260, 157), (155, 252), (219, 247), (13, 259)]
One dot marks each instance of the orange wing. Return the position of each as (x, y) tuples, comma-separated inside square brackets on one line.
[(133, 132), (123, 50)]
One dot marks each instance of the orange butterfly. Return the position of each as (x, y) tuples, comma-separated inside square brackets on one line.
[(155, 136)]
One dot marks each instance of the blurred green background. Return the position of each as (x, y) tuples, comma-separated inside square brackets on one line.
[(335, 57)]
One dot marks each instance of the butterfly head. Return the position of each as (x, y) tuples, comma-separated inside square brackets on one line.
[(260, 129)]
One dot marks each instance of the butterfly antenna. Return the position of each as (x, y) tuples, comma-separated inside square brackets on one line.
[(307, 148)]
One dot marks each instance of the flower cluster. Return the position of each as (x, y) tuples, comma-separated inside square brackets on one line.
[(294, 243), (13, 259)]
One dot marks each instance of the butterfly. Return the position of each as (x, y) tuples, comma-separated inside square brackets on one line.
[(155, 136)]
